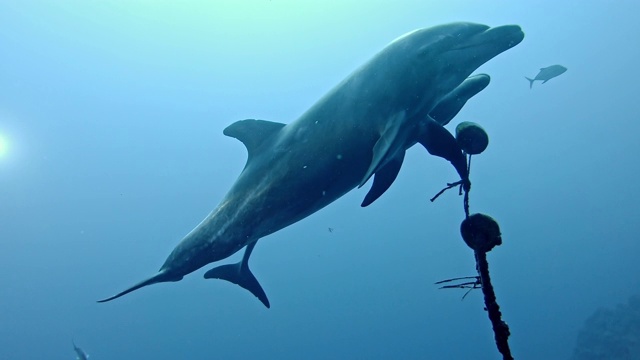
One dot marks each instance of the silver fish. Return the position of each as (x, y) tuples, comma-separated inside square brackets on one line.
[(547, 73)]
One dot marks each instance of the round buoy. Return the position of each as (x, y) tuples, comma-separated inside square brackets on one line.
[(481, 232), (471, 137)]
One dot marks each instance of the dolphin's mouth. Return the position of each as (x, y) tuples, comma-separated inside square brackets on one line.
[(512, 35), (503, 37)]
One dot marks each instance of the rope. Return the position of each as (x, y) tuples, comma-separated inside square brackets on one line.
[(500, 328), (481, 233)]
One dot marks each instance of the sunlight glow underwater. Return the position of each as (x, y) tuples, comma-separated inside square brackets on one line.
[(4, 146)]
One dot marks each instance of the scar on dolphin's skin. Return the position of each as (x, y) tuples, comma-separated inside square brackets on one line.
[(360, 129)]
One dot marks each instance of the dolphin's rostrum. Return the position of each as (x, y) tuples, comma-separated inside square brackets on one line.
[(360, 129)]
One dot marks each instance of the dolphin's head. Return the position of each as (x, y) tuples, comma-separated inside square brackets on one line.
[(468, 47), (429, 63)]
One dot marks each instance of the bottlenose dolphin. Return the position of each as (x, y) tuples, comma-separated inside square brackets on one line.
[(547, 73), (80, 354), (360, 129)]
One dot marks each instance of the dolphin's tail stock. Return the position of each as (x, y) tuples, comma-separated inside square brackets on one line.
[(530, 82), (162, 276), (240, 274)]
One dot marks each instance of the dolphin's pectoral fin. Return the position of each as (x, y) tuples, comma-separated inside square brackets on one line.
[(240, 274), (439, 142), (252, 132), (380, 151), (383, 179), (387, 145), (452, 103)]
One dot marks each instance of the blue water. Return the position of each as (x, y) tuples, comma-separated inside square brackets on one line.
[(112, 116)]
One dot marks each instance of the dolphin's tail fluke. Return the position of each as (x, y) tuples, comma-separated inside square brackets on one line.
[(162, 276), (530, 82), (240, 274), (245, 278)]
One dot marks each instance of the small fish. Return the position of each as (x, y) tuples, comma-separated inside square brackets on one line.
[(330, 229), (547, 73), (81, 355)]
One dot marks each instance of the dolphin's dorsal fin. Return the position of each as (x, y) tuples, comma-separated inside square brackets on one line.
[(383, 179), (252, 133)]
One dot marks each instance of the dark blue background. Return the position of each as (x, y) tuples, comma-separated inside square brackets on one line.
[(113, 114)]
